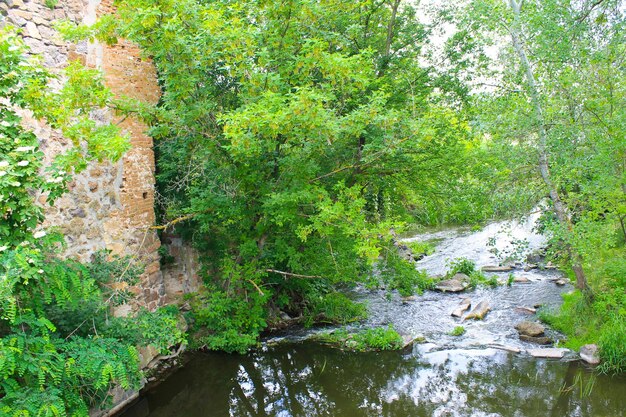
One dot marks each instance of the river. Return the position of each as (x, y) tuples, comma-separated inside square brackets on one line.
[(470, 375)]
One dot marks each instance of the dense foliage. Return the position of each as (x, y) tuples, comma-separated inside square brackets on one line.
[(60, 353), (296, 137)]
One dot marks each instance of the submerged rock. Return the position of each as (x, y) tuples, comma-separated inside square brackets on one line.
[(528, 310), (479, 312), (457, 283), (465, 305), (406, 300), (495, 268), (408, 340), (530, 328), (540, 340), (551, 353), (507, 348), (590, 354)]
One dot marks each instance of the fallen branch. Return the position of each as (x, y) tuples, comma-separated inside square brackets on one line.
[(160, 358), (290, 274), (175, 221)]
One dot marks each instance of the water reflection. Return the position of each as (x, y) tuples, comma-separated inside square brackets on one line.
[(309, 380)]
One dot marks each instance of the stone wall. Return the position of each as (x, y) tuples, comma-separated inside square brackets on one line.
[(181, 273), (109, 206)]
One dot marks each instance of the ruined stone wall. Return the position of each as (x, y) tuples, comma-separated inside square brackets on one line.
[(109, 206)]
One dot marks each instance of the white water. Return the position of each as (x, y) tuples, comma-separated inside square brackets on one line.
[(429, 315)]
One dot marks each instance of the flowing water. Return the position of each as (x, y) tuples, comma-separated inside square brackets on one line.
[(468, 375)]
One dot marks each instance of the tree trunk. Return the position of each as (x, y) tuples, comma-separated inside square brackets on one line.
[(544, 168)]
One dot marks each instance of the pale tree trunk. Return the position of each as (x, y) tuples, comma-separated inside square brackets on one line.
[(544, 168)]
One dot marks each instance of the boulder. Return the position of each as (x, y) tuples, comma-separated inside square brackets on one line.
[(457, 283), (528, 267), (408, 340), (590, 354), (530, 328), (465, 305), (521, 280), (495, 268), (553, 353), (560, 282), (479, 312), (540, 340)]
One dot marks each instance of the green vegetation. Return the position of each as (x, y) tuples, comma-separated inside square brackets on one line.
[(421, 248), (461, 266), (457, 331), (468, 267), (333, 308), (379, 338), (601, 321), (60, 351)]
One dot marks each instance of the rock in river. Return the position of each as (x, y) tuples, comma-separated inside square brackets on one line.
[(465, 305), (553, 353), (479, 312), (530, 328), (589, 353), (457, 283), (540, 340), (494, 268)]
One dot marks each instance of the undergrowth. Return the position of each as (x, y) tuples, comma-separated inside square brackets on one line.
[(601, 320), (376, 339), (476, 276)]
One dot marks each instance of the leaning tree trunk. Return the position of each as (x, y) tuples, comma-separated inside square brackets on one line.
[(544, 168)]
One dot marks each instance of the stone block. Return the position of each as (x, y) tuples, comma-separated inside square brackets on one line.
[(15, 3)]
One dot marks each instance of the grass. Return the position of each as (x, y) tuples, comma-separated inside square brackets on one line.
[(602, 322), (421, 248), (467, 267), (457, 331), (376, 339)]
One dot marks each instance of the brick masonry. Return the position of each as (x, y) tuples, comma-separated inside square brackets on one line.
[(109, 206)]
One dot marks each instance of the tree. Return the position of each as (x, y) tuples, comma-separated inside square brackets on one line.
[(542, 145), (292, 137), (548, 113)]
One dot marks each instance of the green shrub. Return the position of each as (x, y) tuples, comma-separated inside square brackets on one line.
[(602, 322), (457, 331), (221, 321), (379, 338), (333, 308), (396, 273), (421, 248), (612, 344), (461, 265)]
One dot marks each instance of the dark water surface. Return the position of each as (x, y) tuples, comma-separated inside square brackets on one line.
[(311, 380)]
